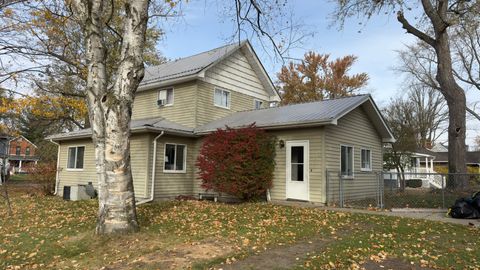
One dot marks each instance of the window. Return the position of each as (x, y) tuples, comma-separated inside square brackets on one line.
[(175, 158), (165, 97), (17, 150), (297, 163), (258, 104), (27, 151), (366, 160), (346, 161), (75, 157), (222, 98)]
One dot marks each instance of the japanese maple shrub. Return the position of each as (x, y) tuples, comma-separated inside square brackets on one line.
[(239, 162)]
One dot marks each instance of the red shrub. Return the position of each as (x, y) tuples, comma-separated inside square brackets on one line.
[(44, 176), (238, 162)]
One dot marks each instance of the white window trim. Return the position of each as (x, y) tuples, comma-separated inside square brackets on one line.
[(173, 96), (184, 158), (229, 102), (255, 104), (361, 163), (76, 151), (353, 162)]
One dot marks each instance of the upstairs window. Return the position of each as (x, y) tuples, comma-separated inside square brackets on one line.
[(366, 160), (222, 98), (75, 157), (258, 104), (17, 150), (27, 151), (175, 158), (165, 97), (346, 160)]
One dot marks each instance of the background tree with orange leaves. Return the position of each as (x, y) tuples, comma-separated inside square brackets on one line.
[(317, 77)]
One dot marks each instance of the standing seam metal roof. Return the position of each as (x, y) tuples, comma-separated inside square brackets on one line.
[(320, 111), (187, 66), (313, 113)]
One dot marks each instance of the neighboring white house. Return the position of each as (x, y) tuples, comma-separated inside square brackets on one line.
[(421, 167)]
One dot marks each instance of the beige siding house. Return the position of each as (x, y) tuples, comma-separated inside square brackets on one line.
[(180, 102)]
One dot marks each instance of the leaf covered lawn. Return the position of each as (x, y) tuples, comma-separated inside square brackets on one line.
[(49, 233)]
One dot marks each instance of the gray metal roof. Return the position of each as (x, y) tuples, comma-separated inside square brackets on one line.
[(187, 66), (155, 124), (324, 111)]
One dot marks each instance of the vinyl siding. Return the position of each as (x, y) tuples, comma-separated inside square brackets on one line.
[(355, 129), (207, 111), (194, 101), (236, 73), (139, 150), (317, 173), (169, 185), (181, 112)]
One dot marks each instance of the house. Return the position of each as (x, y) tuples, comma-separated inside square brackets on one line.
[(440, 159), (179, 102), (428, 165), (421, 166), (22, 154)]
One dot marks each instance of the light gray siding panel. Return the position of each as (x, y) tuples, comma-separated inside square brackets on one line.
[(181, 112), (139, 164), (355, 129)]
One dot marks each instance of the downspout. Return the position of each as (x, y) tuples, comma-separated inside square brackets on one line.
[(58, 163), (154, 164)]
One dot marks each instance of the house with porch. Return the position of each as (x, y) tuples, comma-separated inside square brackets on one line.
[(180, 102), (22, 154)]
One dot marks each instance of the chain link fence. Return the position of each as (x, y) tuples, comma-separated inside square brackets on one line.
[(387, 190), (360, 190), (427, 190)]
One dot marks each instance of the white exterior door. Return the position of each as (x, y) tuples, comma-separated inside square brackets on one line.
[(297, 170)]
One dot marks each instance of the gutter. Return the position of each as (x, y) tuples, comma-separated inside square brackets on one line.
[(159, 83), (281, 126), (133, 130), (152, 192), (58, 163)]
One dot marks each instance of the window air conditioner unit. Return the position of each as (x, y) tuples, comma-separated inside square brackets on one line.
[(161, 102)]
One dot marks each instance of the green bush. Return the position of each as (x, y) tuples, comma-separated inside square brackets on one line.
[(414, 183)]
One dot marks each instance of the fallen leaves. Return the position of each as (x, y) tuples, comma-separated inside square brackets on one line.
[(49, 233)]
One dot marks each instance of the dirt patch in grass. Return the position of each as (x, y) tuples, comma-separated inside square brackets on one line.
[(392, 263), (284, 257), (180, 256), (291, 255)]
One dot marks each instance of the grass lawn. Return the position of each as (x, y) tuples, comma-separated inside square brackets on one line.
[(19, 177), (422, 198), (49, 233)]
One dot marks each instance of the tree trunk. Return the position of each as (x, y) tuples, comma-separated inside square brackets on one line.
[(401, 176), (456, 102), (453, 93), (110, 110)]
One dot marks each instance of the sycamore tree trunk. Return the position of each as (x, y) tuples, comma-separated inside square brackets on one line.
[(110, 108), (453, 93)]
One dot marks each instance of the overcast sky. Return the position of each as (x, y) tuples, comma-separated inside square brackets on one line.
[(202, 28)]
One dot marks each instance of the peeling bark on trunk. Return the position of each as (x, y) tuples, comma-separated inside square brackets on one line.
[(110, 109)]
